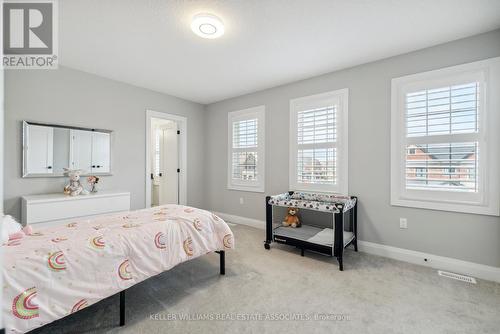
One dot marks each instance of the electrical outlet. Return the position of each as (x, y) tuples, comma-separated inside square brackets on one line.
[(241, 200), (403, 223)]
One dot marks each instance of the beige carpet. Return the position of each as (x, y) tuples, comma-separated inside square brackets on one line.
[(372, 295)]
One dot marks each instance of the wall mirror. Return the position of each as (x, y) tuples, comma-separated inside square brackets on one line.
[(49, 148)]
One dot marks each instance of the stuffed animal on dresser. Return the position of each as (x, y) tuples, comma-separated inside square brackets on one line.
[(74, 188), (291, 218)]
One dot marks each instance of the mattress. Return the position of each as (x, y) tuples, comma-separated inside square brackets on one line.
[(313, 234), (60, 270)]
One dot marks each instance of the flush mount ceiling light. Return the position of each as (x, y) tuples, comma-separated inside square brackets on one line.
[(207, 26)]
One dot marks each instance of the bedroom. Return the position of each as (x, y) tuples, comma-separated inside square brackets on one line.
[(381, 117)]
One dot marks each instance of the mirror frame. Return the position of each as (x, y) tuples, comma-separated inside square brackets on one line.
[(26, 174)]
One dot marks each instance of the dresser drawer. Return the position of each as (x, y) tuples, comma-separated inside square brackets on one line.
[(48, 208)]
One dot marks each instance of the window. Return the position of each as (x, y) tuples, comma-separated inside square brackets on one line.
[(318, 142), (444, 153), (246, 129)]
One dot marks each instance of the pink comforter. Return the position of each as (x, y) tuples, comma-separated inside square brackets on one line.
[(60, 270)]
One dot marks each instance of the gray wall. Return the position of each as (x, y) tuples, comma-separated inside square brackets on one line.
[(70, 97), (468, 237)]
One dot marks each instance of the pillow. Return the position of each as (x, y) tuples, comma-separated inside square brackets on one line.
[(9, 226)]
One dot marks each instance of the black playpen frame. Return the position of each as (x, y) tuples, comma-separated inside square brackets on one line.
[(338, 244)]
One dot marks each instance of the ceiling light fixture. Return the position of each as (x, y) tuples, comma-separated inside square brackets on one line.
[(207, 26)]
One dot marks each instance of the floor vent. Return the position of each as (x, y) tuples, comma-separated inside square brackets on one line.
[(458, 277)]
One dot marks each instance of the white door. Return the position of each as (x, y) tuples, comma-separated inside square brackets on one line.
[(40, 149), (101, 149), (169, 161), (81, 150), (156, 145)]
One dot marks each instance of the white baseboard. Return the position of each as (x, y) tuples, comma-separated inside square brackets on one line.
[(434, 261), (260, 224), (477, 270)]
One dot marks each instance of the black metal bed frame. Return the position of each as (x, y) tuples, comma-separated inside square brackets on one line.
[(222, 264), (338, 244)]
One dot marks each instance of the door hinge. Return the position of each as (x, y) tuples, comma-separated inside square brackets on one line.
[(178, 170), (178, 132)]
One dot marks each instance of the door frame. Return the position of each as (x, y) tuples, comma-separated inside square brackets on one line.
[(182, 126)]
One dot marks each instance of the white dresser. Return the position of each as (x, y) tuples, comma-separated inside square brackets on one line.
[(50, 209)]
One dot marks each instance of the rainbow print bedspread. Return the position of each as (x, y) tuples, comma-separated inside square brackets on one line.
[(60, 270)]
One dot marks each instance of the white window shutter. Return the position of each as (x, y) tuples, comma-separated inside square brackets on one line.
[(318, 142), (444, 139), (246, 149), (452, 111)]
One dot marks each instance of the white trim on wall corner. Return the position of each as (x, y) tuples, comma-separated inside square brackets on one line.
[(477, 270)]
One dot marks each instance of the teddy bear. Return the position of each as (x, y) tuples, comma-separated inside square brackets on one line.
[(291, 218), (74, 188)]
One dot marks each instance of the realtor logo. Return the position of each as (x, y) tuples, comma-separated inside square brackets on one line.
[(30, 34)]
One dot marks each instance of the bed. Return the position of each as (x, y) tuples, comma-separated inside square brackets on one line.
[(60, 270)]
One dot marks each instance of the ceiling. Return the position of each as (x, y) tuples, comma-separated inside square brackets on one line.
[(148, 43)]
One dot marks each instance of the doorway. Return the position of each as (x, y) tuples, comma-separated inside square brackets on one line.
[(165, 159), (164, 162)]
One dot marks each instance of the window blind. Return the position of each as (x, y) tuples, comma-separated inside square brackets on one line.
[(316, 149), (450, 166), (245, 165), (451, 113), (446, 110), (245, 144)]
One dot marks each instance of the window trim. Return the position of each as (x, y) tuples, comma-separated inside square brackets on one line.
[(340, 98), (486, 201), (258, 112)]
